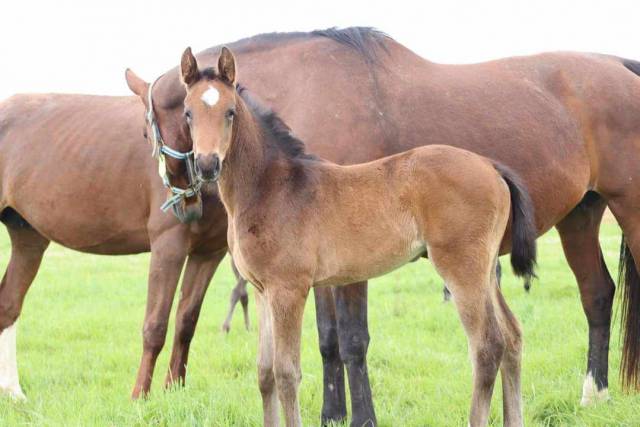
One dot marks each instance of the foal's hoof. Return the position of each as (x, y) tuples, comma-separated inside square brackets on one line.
[(226, 328), (590, 393)]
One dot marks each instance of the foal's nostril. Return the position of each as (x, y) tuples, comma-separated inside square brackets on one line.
[(208, 166)]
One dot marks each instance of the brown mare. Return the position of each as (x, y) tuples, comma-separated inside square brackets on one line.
[(76, 170), (565, 122), (295, 222)]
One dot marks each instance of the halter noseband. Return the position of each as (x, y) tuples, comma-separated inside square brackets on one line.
[(159, 152)]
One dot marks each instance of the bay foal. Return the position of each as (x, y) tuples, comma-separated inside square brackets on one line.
[(295, 222)]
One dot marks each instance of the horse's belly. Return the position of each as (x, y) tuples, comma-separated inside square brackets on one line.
[(369, 257)]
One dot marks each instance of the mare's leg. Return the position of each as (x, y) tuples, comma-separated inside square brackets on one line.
[(27, 249), (579, 236), (353, 335), (287, 306), (334, 406), (197, 276), (266, 378), (239, 293), (626, 208), (472, 291), (168, 253)]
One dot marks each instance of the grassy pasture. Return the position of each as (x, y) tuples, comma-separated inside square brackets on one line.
[(79, 344)]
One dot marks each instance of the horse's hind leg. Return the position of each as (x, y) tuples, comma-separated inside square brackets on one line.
[(579, 236), (472, 290), (511, 363), (239, 293), (627, 211), (27, 249)]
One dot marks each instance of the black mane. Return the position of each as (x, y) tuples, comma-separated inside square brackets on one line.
[(270, 122)]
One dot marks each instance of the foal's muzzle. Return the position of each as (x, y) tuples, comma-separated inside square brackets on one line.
[(208, 167)]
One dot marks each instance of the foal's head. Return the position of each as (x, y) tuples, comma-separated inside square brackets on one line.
[(209, 110)]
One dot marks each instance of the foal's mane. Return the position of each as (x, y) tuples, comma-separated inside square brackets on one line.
[(274, 126), (269, 121)]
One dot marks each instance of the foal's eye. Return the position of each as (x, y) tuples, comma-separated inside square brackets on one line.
[(187, 116), (230, 114), (144, 133)]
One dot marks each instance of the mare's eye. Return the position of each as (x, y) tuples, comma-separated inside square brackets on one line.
[(231, 113), (188, 116)]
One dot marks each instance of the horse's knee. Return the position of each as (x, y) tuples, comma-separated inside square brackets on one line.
[(153, 336), (287, 378), (266, 380), (354, 345), (186, 327), (329, 347)]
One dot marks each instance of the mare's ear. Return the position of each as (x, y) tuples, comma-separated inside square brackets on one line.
[(136, 84), (227, 66), (189, 68)]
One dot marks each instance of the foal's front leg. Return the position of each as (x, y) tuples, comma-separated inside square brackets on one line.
[(266, 379), (287, 306)]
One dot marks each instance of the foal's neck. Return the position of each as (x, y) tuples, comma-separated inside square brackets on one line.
[(251, 162)]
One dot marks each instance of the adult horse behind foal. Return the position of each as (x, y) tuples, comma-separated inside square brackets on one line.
[(294, 223), (565, 122), (76, 170)]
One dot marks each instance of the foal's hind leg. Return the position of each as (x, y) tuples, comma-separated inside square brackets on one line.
[(511, 362), (472, 290), (579, 236), (239, 293), (27, 248)]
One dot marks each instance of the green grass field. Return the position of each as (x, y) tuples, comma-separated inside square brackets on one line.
[(79, 344)]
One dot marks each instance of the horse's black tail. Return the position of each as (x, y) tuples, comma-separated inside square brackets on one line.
[(629, 280), (523, 228)]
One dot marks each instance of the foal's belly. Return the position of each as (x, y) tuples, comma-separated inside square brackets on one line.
[(379, 249)]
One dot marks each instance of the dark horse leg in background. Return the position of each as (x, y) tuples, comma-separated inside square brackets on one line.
[(239, 293), (27, 249), (343, 331), (579, 236)]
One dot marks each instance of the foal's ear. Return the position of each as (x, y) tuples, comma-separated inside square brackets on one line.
[(227, 66), (136, 84), (189, 68)]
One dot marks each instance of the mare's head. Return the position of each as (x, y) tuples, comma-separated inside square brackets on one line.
[(160, 125), (209, 110)]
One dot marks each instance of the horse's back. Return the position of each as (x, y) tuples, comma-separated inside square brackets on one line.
[(57, 152)]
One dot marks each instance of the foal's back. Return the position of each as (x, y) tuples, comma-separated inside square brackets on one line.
[(374, 217)]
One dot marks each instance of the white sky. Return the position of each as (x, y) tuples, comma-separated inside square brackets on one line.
[(84, 46)]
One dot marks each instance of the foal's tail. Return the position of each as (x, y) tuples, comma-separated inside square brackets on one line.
[(523, 228), (629, 280)]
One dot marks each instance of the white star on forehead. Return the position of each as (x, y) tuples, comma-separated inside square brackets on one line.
[(210, 96)]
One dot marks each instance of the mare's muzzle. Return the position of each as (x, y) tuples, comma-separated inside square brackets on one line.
[(208, 167)]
